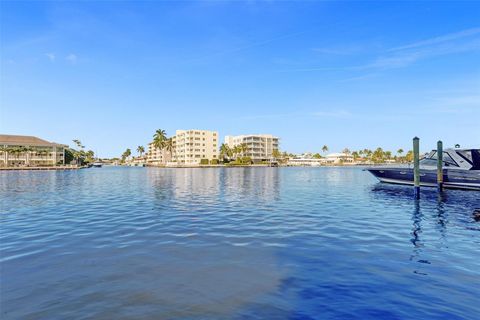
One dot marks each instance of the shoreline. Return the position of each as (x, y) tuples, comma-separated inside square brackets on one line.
[(256, 166), (39, 168)]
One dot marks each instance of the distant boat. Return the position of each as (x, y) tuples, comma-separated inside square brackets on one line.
[(461, 170), (97, 164)]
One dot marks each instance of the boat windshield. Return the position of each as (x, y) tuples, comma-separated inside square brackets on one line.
[(428, 162), (447, 160)]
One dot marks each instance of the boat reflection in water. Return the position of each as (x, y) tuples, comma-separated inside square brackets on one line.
[(461, 170)]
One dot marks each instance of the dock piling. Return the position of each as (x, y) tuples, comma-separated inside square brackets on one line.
[(416, 167), (440, 166)]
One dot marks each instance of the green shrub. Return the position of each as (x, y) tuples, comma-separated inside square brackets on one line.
[(204, 161), (214, 161), (246, 160)]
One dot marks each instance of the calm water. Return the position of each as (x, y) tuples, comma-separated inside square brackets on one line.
[(242, 243)]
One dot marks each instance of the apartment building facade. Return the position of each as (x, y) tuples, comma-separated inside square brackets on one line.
[(191, 146), (259, 146), (158, 157), (21, 151)]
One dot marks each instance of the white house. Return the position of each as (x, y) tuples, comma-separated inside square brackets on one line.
[(338, 158)]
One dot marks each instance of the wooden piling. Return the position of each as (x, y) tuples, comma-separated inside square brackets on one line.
[(416, 167), (440, 165)]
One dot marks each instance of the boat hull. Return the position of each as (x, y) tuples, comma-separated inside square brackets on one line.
[(453, 179)]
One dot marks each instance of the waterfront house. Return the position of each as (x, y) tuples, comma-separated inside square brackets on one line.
[(260, 147), (305, 161), (338, 158), (139, 160), (23, 151)]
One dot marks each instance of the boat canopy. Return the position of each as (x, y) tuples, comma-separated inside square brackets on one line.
[(463, 158)]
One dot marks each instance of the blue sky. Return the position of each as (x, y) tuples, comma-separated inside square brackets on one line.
[(346, 74)]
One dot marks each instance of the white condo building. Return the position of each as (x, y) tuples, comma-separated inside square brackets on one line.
[(156, 156), (260, 146), (189, 147)]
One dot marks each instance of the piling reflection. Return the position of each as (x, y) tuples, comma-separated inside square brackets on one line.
[(441, 217), (416, 240)]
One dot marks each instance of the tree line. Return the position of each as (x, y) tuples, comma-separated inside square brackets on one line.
[(237, 153), (378, 155)]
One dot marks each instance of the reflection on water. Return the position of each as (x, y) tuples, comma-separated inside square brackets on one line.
[(275, 243)]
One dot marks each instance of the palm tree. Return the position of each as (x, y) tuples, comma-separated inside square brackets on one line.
[(80, 153), (243, 148), (225, 152), (77, 142), (90, 155), (5, 151), (16, 151), (355, 155), (126, 154), (159, 139), (276, 154), (367, 153), (324, 149), (400, 152), (409, 156), (346, 151), (378, 155), (140, 150), (235, 151), (168, 145)]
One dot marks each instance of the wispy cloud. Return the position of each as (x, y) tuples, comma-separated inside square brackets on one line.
[(320, 113), (72, 58), (315, 69), (470, 100), (441, 39), (332, 113), (247, 46), (339, 50), (361, 77), (50, 56), (457, 104), (406, 55), (267, 116)]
